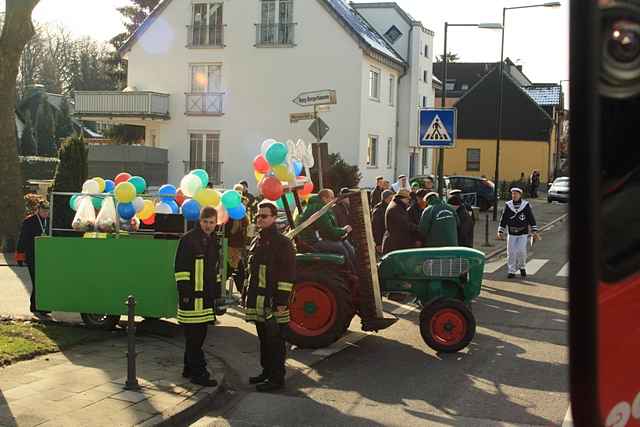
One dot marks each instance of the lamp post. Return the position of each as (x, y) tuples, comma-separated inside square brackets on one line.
[(500, 82), (445, 59)]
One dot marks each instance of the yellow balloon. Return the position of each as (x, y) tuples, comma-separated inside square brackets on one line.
[(101, 184), (258, 175), (282, 172), (207, 197), (148, 210), (125, 192)]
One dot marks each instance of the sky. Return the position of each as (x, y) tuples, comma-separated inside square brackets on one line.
[(536, 38)]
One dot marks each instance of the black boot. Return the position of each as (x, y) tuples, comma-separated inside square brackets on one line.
[(204, 380), (523, 272), (186, 372), (259, 379), (511, 275), (269, 386)]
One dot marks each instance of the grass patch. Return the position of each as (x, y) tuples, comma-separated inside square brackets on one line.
[(25, 340)]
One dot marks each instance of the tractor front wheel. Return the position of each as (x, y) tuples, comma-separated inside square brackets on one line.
[(447, 325), (100, 321)]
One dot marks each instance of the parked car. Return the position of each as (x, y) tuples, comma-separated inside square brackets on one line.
[(559, 190), (476, 191)]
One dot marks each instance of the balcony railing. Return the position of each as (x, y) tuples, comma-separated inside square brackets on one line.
[(275, 35), (204, 103), (214, 169), (205, 35), (122, 104)]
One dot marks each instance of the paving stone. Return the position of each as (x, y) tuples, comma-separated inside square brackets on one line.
[(56, 394), (19, 392), (110, 388), (95, 395), (101, 410), (25, 420), (126, 418), (131, 396), (159, 403)]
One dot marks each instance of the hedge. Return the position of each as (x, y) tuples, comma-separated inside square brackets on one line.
[(38, 167)]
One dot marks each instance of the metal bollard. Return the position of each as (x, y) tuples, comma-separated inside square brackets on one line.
[(132, 380), (486, 232)]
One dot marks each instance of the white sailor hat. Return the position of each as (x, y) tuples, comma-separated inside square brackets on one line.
[(519, 190)]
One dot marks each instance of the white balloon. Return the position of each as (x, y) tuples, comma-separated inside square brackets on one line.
[(266, 144), (91, 186), (138, 204), (190, 185), (163, 208)]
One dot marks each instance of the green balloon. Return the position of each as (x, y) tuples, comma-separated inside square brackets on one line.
[(203, 175), (73, 202), (139, 183), (97, 202), (276, 154), (290, 199)]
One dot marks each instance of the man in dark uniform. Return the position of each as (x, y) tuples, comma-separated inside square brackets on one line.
[(33, 226), (418, 205), (341, 210), (377, 219), (376, 194), (400, 233), (196, 271), (465, 219), (272, 273)]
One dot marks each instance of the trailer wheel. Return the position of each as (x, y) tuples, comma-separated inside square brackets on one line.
[(321, 309), (447, 325), (100, 321)]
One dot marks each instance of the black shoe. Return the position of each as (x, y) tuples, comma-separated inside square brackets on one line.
[(220, 311), (511, 275), (523, 272), (186, 373), (259, 379), (40, 313), (269, 386), (204, 381)]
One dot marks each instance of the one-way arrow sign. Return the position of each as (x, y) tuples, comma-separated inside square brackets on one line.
[(318, 128), (320, 97)]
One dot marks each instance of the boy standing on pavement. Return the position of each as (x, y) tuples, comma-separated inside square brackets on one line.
[(517, 218), (196, 271), (266, 297)]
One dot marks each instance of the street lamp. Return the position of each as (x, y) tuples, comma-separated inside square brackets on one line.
[(445, 59), (500, 82)]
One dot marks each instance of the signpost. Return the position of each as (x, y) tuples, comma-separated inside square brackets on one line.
[(318, 127), (438, 127)]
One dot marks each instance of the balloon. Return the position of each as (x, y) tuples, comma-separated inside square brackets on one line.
[(238, 212), (307, 189), (208, 197), (260, 164), (290, 200), (271, 188), (202, 175), (282, 172), (190, 185), (149, 221), (147, 211), (266, 144), (231, 199), (175, 209), (73, 202), (168, 191), (276, 154), (258, 176), (126, 210), (139, 183), (163, 208), (223, 215), (91, 186), (191, 210), (97, 202), (138, 204), (297, 167), (122, 177), (125, 193), (180, 197), (101, 184), (109, 186)]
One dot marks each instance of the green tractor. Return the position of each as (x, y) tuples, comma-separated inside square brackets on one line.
[(327, 295)]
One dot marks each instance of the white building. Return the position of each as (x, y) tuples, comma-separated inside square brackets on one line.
[(210, 80)]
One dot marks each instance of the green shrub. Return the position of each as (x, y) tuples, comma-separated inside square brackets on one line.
[(71, 173), (40, 168)]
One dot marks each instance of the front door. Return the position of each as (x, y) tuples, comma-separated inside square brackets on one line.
[(204, 153), (413, 164)]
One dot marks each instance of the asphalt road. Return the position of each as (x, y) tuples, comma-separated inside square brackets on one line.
[(513, 373)]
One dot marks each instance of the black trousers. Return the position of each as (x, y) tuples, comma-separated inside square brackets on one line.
[(194, 362), (272, 349), (32, 274)]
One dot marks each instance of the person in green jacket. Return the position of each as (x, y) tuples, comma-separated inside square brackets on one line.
[(439, 223)]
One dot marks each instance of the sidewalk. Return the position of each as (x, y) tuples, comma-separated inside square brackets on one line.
[(544, 212)]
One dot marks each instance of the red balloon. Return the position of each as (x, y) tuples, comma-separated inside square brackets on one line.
[(272, 188), (122, 177), (150, 221), (180, 197), (260, 164), (307, 189)]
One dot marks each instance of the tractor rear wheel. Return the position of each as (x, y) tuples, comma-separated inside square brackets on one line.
[(447, 325), (321, 308), (100, 321)]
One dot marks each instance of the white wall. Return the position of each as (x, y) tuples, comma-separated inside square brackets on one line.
[(260, 83)]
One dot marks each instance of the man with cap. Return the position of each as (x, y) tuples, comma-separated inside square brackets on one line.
[(400, 231), (376, 194), (33, 226), (418, 205), (439, 223), (402, 184), (465, 219), (517, 221), (341, 210), (377, 221)]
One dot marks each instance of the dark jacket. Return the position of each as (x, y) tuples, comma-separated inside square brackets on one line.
[(465, 226), (272, 273), (376, 196), (325, 227), (196, 272), (439, 225), (400, 231), (32, 227), (341, 213), (517, 218), (377, 222), (415, 213)]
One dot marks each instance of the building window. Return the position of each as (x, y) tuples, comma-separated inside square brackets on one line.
[(372, 151), (276, 24), (393, 34), (374, 84), (205, 95), (425, 76), (464, 86), (451, 84), (424, 102), (392, 90), (473, 159), (204, 153), (426, 51), (389, 152), (206, 27)]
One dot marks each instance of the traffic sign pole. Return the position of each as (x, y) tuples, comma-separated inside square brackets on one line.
[(443, 92), (320, 170)]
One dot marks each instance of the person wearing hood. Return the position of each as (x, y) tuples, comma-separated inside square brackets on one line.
[(465, 219), (400, 231), (439, 223), (377, 220)]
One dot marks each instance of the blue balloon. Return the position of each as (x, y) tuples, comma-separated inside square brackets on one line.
[(238, 212), (109, 186), (297, 167), (168, 191), (191, 210), (167, 200), (126, 210), (174, 206)]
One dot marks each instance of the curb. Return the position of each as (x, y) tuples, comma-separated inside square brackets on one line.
[(497, 252)]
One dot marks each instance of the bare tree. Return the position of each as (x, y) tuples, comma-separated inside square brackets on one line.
[(16, 32), (59, 51), (31, 61)]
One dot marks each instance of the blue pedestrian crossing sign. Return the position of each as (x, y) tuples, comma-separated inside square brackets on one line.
[(438, 127)]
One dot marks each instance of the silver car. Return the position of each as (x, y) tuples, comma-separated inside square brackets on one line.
[(559, 190)]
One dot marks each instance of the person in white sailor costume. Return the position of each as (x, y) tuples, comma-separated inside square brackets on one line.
[(518, 221)]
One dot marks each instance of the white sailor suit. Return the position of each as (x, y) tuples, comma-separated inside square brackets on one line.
[(517, 218)]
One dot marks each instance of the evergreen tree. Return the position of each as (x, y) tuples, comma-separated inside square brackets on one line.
[(71, 173), (64, 125), (45, 128), (28, 146)]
